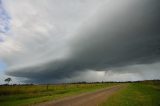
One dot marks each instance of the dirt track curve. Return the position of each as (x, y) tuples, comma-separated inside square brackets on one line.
[(86, 99)]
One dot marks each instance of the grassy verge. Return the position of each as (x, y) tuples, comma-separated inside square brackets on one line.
[(27, 95), (136, 94)]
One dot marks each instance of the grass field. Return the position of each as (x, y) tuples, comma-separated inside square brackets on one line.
[(136, 94), (31, 94), (146, 93)]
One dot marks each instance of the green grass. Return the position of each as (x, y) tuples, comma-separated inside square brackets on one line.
[(136, 94), (26, 95)]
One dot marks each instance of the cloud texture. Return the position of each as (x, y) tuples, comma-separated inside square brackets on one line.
[(56, 40)]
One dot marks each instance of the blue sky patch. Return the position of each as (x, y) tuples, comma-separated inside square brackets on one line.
[(2, 66), (4, 20)]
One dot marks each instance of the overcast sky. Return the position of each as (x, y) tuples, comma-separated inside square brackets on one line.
[(51, 41)]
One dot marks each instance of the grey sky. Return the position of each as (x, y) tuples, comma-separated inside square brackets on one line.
[(66, 40)]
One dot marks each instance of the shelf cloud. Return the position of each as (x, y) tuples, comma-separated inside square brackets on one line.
[(76, 40)]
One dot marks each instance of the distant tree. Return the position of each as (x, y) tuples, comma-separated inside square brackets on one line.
[(8, 80)]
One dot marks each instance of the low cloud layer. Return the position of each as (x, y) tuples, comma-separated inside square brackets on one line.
[(58, 40)]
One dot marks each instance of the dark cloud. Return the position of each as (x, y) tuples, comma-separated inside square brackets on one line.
[(122, 33)]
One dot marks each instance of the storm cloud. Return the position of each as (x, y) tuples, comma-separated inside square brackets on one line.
[(109, 36)]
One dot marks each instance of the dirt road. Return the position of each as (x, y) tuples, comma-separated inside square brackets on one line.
[(86, 99)]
